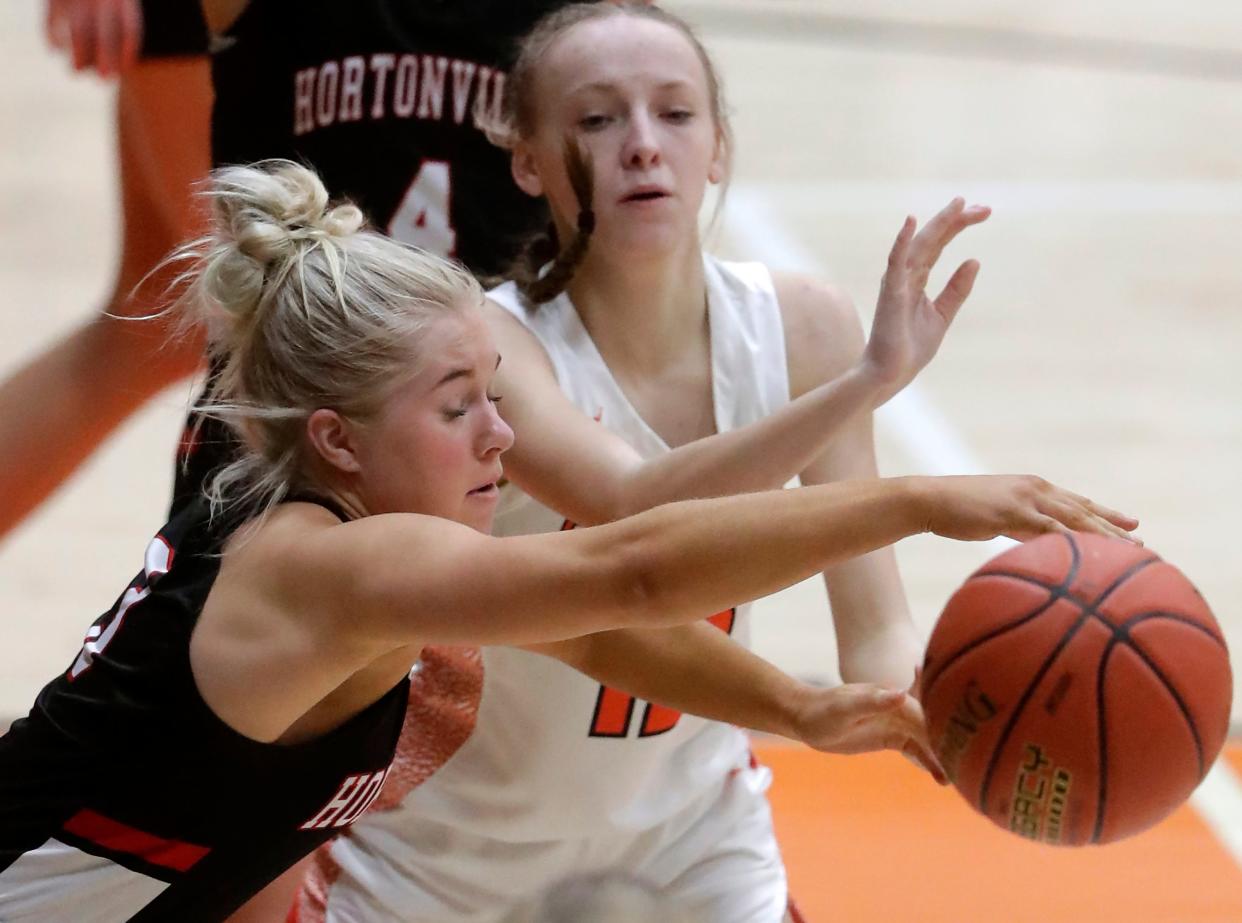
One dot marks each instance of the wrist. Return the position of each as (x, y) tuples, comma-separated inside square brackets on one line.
[(867, 379), (918, 497), (795, 723)]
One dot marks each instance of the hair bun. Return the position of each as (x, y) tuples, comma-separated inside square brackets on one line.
[(267, 215)]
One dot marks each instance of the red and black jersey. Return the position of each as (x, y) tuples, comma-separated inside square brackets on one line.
[(172, 28), (381, 97), (124, 797)]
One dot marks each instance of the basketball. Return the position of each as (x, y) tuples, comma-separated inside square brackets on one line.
[(1077, 689)]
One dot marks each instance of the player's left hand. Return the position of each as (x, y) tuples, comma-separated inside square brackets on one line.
[(865, 717)]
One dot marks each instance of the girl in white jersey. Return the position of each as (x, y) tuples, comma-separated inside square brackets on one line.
[(660, 345)]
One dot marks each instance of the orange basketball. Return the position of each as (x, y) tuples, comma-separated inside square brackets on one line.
[(1077, 689)]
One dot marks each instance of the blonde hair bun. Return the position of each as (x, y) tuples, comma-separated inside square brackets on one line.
[(305, 308), (267, 215)]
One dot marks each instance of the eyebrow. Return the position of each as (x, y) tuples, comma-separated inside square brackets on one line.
[(603, 86), (458, 373)]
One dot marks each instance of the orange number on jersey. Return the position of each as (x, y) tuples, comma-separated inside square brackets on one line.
[(614, 709)]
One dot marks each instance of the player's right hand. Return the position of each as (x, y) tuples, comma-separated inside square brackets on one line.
[(909, 326), (1022, 507), (865, 717), (99, 35)]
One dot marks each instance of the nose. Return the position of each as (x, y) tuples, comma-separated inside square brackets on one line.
[(642, 148), (497, 435)]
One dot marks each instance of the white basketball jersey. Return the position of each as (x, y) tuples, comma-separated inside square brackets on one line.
[(553, 754)]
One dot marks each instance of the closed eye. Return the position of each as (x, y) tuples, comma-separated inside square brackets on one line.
[(594, 122)]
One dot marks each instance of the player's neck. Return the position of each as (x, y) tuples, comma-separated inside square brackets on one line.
[(643, 314)]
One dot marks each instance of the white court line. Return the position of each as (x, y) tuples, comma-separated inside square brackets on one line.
[(1064, 196), (1219, 801), (930, 439)]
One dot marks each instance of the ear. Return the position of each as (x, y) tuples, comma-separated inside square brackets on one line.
[(333, 439), (719, 167), (525, 172)]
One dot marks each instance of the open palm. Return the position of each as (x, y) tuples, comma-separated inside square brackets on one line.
[(909, 326)]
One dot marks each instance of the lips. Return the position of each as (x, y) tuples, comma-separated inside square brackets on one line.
[(485, 489), (645, 194)]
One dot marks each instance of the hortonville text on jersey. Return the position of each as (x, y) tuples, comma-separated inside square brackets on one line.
[(404, 86)]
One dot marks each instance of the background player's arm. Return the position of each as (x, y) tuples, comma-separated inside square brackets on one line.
[(876, 638), (700, 670), (568, 462), (574, 465)]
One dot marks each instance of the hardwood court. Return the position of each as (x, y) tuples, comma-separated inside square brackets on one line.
[(870, 838)]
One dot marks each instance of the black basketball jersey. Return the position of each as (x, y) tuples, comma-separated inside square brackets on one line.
[(124, 797), (380, 96), (172, 28)]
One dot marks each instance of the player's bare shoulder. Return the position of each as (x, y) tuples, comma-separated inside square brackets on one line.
[(518, 346), (823, 334)]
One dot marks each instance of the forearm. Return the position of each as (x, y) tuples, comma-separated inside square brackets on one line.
[(696, 668), (706, 555), (877, 640), (668, 566), (763, 455)]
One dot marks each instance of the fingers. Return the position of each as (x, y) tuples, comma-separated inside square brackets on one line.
[(898, 258), (1082, 515), (130, 22), (1048, 508), (957, 290), (1116, 518), (921, 754), (872, 699), (109, 36), (56, 25), (930, 242), (82, 36), (899, 255)]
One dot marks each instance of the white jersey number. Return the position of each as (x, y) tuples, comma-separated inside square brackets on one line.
[(158, 559), (422, 218)]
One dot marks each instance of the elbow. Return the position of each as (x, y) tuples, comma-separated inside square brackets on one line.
[(642, 583)]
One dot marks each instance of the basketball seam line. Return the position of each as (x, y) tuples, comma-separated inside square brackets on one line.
[(1101, 793), (1047, 665), (1181, 704), (1127, 641), (1060, 589), (1057, 591)]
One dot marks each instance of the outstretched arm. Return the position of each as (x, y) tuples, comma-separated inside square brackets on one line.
[(700, 670), (399, 579), (573, 465)]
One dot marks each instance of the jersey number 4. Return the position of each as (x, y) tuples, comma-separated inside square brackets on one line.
[(422, 218), (614, 710)]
